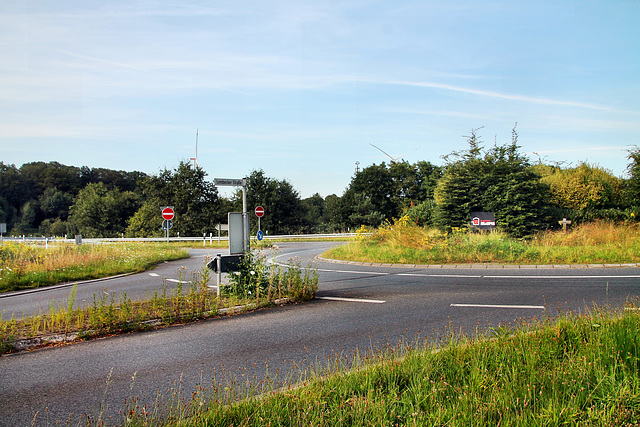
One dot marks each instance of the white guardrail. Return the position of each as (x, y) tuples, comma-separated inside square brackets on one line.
[(204, 239)]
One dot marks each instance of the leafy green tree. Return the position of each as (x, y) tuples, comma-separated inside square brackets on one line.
[(333, 214), (284, 211), (13, 189), (28, 222), (315, 210), (584, 187), (41, 175), (498, 180), (632, 184), (196, 202), (147, 221), (124, 181), (383, 191), (369, 199), (101, 212), (55, 204)]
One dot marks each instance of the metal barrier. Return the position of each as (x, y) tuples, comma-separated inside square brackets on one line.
[(203, 239)]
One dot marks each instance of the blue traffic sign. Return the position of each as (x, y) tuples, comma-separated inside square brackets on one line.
[(167, 224), (260, 235)]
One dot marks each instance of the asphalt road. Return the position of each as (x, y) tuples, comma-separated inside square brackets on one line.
[(357, 308)]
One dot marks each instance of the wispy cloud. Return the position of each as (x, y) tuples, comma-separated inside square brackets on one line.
[(581, 149), (512, 97)]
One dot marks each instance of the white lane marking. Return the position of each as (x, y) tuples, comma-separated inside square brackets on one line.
[(373, 273), (440, 275), (176, 281), (477, 276), (539, 307), (154, 274), (561, 277), (463, 276), (372, 301)]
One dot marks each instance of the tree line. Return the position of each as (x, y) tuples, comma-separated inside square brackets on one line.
[(52, 199)]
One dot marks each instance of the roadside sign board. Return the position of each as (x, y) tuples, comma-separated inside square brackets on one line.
[(259, 211), (228, 182), (483, 220), (260, 235), (236, 233), (167, 212), (167, 224)]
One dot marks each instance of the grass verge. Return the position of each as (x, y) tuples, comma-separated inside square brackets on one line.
[(573, 370), (105, 316), (24, 266), (405, 243)]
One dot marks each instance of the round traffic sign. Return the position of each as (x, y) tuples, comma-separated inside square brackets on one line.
[(259, 211), (167, 213)]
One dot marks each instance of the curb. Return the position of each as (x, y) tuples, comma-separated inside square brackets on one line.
[(37, 342), (481, 266)]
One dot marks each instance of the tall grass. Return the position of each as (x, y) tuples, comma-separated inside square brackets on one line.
[(574, 370), (108, 315), (31, 266), (403, 242)]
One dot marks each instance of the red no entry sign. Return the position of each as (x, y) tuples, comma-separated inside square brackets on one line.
[(167, 213), (259, 211)]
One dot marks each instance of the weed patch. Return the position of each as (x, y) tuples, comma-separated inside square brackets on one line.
[(404, 242), (25, 266), (106, 315)]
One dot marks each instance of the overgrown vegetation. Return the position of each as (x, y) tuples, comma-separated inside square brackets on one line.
[(574, 370), (25, 266), (258, 285), (406, 243)]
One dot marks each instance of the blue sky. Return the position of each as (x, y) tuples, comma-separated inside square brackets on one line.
[(301, 89)]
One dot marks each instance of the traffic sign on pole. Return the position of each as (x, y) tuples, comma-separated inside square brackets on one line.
[(259, 211), (168, 213)]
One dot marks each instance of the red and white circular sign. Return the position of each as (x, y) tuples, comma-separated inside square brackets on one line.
[(259, 211), (167, 213)]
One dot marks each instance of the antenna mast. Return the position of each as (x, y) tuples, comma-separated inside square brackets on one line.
[(195, 159)]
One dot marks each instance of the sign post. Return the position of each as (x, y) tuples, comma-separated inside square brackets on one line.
[(259, 213), (564, 224), (167, 214), (245, 227)]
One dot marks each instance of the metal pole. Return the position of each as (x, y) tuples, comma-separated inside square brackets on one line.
[(245, 244), (219, 262)]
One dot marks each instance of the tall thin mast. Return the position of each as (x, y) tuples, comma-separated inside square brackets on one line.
[(195, 159)]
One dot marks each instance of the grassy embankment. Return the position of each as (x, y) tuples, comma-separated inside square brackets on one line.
[(574, 370), (258, 285), (404, 243), (24, 266)]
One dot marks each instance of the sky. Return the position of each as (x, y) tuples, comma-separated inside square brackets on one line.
[(301, 89)]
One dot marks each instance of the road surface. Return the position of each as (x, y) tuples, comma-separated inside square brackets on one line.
[(357, 308)]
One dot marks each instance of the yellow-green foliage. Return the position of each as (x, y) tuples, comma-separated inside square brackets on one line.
[(405, 243), (27, 266), (582, 187)]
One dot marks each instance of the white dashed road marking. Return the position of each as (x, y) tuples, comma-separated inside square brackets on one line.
[(539, 307), (372, 301)]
